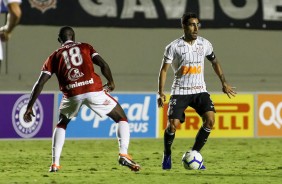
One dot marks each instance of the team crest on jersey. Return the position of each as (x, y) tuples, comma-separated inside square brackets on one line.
[(74, 74), (200, 50), (30, 129), (43, 5)]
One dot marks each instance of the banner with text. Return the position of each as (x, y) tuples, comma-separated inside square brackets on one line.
[(269, 115), (12, 108), (139, 108), (250, 14), (234, 118)]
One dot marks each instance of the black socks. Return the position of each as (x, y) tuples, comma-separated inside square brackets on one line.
[(201, 138), (168, 140), (200, 141)]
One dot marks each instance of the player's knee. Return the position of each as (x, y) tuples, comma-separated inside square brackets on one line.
[(209, 123), (171, 128), (63, 122), (62, 125), (117, 114), (119, 119)]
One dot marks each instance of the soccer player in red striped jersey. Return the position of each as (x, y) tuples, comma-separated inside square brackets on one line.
[(186, 56), (72, 63)]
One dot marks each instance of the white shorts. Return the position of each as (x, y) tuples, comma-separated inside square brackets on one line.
[(100, 102)]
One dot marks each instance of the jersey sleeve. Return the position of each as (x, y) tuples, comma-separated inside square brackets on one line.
[(209, 48), (93, 52), (168, 54), (48, 66)]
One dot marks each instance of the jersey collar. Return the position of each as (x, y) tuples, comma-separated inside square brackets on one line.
[(68, 41)]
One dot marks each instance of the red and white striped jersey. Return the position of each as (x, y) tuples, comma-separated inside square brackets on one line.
[(187, 62), (73, 66)]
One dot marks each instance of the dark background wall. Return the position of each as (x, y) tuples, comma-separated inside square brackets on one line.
[(250, 58)]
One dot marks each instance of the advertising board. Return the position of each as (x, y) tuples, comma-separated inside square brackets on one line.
[(234, 118), (12, 108), (139, 108)]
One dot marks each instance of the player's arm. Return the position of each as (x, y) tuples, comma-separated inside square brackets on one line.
[(106, 71), (226, 88), (161, 82), (13, 18), (36, 90)]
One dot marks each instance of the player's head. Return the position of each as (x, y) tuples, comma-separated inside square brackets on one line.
[(188, 15), (66, 33), (190, 24)]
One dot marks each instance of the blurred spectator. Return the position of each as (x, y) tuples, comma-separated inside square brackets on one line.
[(13, 17)]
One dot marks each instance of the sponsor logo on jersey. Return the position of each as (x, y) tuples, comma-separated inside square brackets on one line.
[(78, 84), (74, 74), (43, 5), (23, 129), (191, 70)]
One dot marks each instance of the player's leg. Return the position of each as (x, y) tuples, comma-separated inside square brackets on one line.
[(204, 131), (123, 136), (122, 132), (205, 109), (69, 108), (169, 135), (177, 105), (102, 103), (58, 140)]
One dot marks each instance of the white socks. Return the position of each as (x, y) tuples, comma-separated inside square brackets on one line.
[(123, 136), (58, 141)]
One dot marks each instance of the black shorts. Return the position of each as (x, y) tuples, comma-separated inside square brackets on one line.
[(201, 102)]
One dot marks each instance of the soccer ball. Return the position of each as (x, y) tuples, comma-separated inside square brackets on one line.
[(192, 160)]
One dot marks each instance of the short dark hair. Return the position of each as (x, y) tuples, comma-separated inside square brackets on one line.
[(188, 15), (66, 33)]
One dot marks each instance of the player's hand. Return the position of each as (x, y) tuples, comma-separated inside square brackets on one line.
[(4, 35), (161, 100), (229, 90), (27, 115), (110, 86)]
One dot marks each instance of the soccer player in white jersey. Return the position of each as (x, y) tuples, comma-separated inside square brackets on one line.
[(186, 56), (13, 18), (73, 65)]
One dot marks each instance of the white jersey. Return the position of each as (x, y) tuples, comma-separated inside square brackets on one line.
[(187, 62)]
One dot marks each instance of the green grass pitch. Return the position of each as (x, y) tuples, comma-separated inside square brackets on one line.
[(244, 160)]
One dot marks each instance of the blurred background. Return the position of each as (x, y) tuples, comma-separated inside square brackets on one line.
[(131, 36)]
